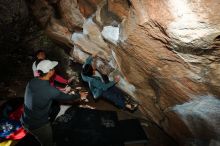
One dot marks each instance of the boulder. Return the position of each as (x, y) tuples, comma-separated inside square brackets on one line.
[(167, 53)]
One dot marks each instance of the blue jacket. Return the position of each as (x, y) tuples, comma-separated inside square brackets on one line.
[(96, 85)]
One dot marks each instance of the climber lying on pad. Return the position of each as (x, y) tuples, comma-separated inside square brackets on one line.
[(105, 90)]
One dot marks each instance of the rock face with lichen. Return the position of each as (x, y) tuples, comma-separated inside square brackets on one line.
[(166, 51)]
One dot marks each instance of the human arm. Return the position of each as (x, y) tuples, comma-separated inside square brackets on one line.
[(60, 79), (100, 85), (97, 83), (62, 96), (88, 60), (58, 95), (91, 58), (97, 87), (95, 58)]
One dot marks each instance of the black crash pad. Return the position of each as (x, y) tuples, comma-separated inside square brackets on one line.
[(87, 127), (132, 132)]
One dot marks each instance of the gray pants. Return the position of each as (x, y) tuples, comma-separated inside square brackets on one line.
[(43, 134)]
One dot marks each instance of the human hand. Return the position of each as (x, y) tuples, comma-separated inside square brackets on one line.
[(70, 80), (78, 88), (83, 96), (94, 55), (67, 89), (117, 78), (72, 93)]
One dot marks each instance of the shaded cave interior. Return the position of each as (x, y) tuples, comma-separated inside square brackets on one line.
[(17, 55), (22, 35)]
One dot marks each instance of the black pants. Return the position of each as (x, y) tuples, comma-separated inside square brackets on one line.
[(114, 95), (54, 110)]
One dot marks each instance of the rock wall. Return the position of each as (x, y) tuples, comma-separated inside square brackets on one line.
[(20, 38), (13, 23), (166, 51)]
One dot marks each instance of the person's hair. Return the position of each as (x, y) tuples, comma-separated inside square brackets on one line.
[(87, 70), (41, 74), (39, 51)]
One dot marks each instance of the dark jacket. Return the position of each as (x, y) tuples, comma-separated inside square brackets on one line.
[(39, 95)]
